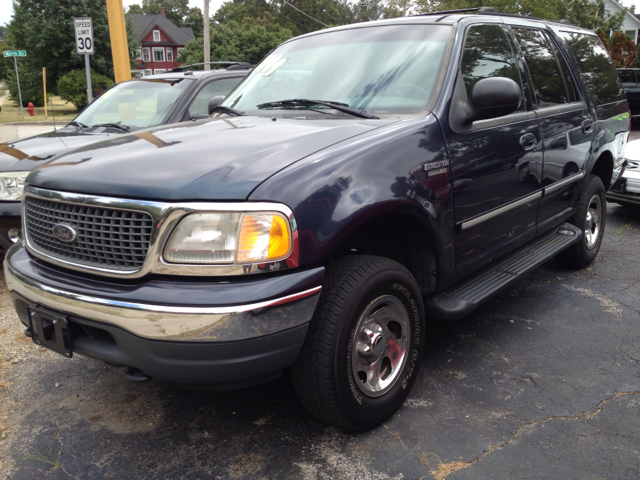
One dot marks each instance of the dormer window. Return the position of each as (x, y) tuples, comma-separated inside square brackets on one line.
[(156, 35)]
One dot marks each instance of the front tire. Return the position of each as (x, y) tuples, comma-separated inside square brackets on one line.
[(590, 217), (364, 344)]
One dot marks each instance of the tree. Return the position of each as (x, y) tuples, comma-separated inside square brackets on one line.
[(621, 49), (6, 64), (44, 28), (195, 20), (590, 14), (175, 10), (246, 41), (72, 87)]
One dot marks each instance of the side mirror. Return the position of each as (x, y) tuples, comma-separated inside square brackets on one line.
[(214, 102), (493, 97)]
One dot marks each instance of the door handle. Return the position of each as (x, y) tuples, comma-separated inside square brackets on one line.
[(528, 142), (587, 126)]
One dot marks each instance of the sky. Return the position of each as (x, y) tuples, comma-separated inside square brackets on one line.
[(6, 7)]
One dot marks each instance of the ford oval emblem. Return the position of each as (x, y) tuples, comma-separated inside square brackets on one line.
[(64, 233)]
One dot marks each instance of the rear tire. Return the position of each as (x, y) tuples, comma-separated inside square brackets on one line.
[(590, 217), (364, 345)]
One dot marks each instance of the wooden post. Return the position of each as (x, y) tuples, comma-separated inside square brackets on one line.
[(118, 35), (44, 85)]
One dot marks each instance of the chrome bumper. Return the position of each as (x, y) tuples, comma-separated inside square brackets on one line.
[(169, 322)]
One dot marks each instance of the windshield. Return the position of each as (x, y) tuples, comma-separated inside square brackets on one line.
[(382, 70), (138, 103)]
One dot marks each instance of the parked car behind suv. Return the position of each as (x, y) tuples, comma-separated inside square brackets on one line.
[(630, 78), (359, 181), (132, 106)]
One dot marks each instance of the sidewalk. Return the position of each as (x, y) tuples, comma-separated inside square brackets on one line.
[(14, 131)]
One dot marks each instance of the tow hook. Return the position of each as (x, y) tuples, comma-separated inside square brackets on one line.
[(136, 376)]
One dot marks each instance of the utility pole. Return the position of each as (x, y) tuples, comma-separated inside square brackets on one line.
[(207, 45), (118, 35)]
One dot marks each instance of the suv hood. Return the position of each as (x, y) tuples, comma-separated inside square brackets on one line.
[(223, 159), (26, 154)]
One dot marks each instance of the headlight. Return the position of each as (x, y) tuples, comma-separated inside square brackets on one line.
[(230, 237), (12, 185)]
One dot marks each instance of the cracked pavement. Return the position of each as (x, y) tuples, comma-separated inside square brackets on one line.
[(543, 381)]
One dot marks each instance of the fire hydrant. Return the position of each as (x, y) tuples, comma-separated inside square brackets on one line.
[(30, 109)]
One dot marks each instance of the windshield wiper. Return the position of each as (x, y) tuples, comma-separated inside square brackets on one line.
[(78, 125), (124, 128), (228, 110), (303, 102)]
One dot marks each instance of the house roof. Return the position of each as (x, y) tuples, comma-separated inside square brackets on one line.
[(145, 23)]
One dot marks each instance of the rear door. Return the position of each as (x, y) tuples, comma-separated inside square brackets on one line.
[(494, 162), (567, 126)]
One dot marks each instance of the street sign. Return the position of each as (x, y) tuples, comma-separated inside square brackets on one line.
[(15, 53), (84, 35)]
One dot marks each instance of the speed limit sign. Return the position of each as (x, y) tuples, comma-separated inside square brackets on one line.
[(84, 36)]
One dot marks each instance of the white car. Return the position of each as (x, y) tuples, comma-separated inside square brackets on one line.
[(626, 191)]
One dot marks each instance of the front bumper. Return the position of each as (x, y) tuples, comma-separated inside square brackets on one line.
[(183, 330), (627, 188)]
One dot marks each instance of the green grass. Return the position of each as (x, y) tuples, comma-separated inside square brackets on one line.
[(63, 111)]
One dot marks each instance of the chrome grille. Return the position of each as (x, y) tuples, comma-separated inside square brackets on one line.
[(105, 238)]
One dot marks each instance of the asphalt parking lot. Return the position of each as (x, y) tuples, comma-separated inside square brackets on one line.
[(541, 382)]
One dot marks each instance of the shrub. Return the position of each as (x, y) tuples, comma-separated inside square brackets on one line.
[(72, 87)]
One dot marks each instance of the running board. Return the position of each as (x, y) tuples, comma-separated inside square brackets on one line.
[(465, 296)]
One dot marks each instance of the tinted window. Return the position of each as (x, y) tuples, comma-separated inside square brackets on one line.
[(628, 78), (572, 91), (487, 53), (222, 87), (548, 84), (597, 68)]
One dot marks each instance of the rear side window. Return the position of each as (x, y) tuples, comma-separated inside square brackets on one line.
[(598, 71), (488, 53), (548, 82)]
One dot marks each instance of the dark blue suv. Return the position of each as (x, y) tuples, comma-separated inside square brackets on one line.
[(361, 181)]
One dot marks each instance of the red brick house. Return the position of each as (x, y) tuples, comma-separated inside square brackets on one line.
[(160, 42)]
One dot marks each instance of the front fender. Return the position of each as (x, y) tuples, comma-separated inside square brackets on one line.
[(400, 168)]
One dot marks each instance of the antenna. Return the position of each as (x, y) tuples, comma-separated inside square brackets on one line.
[(53, 115)]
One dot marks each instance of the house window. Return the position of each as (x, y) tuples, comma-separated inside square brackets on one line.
[(147, 72), (179, 50), (169, 54), (146, 56), (156, 35), (138, 54), (159, 70), (158, 54), (632, 34)]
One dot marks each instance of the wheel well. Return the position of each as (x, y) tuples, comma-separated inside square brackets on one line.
[(403, 238), (603, 168)]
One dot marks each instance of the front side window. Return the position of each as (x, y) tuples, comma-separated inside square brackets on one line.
[(548, 81), (385, 70), (596, 67), (200, 104), (158, 54), (488, 53), (146, 55), (156, 35), (169, 54), (138, 103)]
